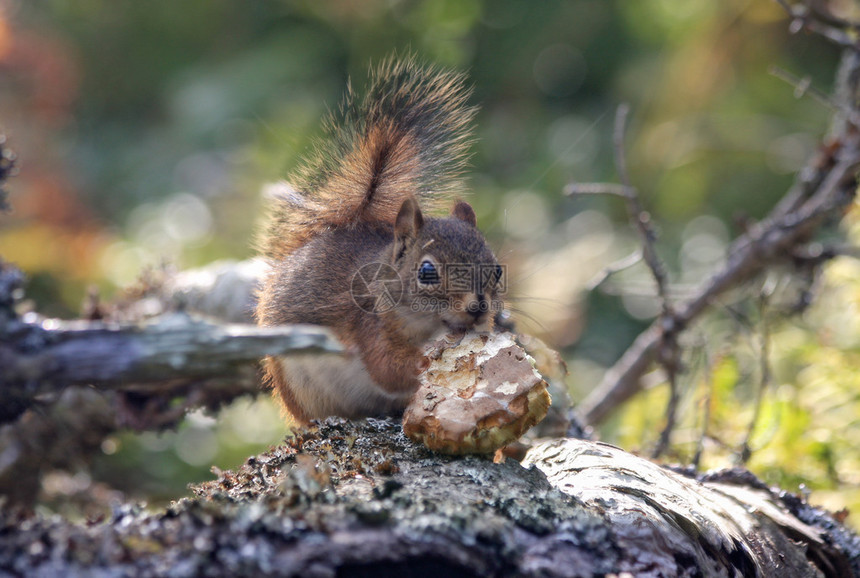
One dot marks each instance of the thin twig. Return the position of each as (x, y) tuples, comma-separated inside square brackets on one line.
[(764, 382), (803, 87), (826, 16), (804, 17), (671, 416), (615, 189), (818, 253), (706, 414), (637, 214), (834, 34), (613, 268), (668, 353)]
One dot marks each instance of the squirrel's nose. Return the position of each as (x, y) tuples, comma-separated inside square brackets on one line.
[(478, 307)]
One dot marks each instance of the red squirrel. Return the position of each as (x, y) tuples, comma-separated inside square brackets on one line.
[(353, 246)]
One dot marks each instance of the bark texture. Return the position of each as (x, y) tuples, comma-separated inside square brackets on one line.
[(359, 499)]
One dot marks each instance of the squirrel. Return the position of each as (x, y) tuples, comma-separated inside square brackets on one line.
[(352, 245)]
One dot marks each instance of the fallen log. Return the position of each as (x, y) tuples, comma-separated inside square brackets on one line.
[(359, 499)]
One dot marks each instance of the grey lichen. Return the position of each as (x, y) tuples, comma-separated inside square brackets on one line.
[(358, 499), (340, 496)]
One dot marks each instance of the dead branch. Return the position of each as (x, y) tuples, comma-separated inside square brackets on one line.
[(149, 377), (822, 191), (706, 410), (745, 452), (636, 213), (575, 189), (806, 17), (668, 352), (613, 268), (765, 245), (66, 386), (638, 217), (170, 356), (171, 348)]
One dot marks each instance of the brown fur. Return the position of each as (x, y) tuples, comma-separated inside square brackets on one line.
[(275, 374), (360, 201), (407, 137)]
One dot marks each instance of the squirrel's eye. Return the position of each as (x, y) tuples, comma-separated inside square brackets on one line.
[(427, 274), (498, 275)]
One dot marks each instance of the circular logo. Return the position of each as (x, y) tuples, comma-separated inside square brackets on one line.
[(376, 288)]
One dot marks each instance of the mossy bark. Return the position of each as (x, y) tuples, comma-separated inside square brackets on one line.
[(359, 499)]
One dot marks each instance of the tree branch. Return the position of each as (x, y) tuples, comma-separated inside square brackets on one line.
[(82, 381), (822, 191), (174, 347), (668, 352), (805, 17)]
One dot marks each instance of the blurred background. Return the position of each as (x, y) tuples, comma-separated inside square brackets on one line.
[(146, 132)]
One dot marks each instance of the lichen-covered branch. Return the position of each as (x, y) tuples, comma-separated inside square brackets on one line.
[(65, 386), (160, 355), (359, 499), (174, 347)]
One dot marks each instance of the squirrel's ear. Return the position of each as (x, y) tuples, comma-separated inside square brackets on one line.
[(465, 212), (406, 226)]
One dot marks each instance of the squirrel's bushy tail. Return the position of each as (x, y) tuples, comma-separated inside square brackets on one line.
[(408, 136)]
